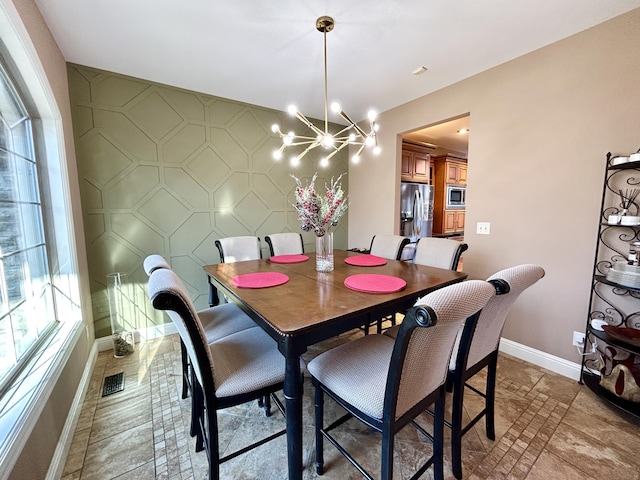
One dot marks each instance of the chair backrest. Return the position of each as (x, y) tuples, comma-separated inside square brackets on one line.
[(421, 355), (167, 292), (439, 252), (154, 262), (486, 338), (239, 249), (285, 243), (388, 246)]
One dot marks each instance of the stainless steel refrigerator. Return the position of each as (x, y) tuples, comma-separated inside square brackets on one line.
[(416, 210)]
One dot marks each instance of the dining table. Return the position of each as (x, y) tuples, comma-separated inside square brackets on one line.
[(299, 306)]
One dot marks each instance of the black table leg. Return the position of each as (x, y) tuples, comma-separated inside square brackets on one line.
[(293, 405)]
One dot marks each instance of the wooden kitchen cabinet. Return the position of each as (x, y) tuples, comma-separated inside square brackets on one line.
[(415, 164), (452, 169), (448, 170), (456, 173), (453, 221)]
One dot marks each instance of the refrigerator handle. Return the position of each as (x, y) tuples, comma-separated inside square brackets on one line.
[(418, 213)]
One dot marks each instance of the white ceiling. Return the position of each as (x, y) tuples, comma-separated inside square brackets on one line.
[(269, 53)]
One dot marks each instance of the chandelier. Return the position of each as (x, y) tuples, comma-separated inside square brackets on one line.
[(332, 143)]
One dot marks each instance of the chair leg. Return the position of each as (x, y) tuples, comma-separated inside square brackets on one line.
[(319, 420), (438, 439), (267, 405), (211, 443), (456, 426), (197, 414), (185, 370), (386, 464), (490, 398)]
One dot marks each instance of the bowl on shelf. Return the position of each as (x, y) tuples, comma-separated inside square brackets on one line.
[(624, 334), (624, 274), (619, 160), (629, 220)]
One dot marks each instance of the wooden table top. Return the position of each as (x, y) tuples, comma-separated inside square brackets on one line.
[(310, 299)]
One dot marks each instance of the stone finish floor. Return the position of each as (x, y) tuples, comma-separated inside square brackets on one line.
[(547, 427)]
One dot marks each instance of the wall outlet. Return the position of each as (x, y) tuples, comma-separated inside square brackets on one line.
[(483, 228), (578, 339)]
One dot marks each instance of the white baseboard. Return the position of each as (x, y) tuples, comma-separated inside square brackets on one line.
[(105, 343), (541, 359), (66, 436)]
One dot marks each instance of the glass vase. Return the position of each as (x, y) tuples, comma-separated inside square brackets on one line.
[(122, 332), (324, 253)]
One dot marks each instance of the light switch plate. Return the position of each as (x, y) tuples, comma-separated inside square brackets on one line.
[(483, 228)]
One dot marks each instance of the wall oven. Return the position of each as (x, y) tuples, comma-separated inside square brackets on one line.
[(455, 197)]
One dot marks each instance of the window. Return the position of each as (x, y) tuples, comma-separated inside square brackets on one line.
[(26, 299)]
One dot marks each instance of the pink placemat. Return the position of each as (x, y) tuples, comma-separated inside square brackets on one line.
[(289, 258), (259, 280), (374, 283), (366, 260)]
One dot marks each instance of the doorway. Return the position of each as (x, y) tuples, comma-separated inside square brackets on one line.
[(445, 147)]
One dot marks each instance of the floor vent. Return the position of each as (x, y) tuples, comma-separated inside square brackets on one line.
[(113, 384)]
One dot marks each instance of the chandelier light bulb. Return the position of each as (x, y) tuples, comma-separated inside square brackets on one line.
[(376, 127), (324, 162), (335, 107), (287, 140), (277, 154), (295, 161), (275, 128), (355, 158), (376, 150), (368, 141), (352, 137), (372, 115), (327, 141), (292, 109)]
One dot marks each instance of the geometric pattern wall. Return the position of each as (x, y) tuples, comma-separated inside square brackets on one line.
[(165, 170)]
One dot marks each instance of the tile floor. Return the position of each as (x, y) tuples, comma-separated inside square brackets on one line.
[(547, 427)]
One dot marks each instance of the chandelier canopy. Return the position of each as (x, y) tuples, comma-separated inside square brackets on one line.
[(332, 143)]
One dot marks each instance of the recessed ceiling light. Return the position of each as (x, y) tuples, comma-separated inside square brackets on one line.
[(419, 70), (462, 131)]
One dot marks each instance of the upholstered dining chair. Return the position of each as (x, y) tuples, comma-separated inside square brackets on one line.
[(239, 249), (388, 246), (439, 252), (476, 349), (483, 352), (235, 249), (386, 382), (218, 322), (235, 369), (287, 243)]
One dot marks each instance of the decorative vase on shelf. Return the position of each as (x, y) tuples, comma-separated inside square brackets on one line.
[(324, 253)]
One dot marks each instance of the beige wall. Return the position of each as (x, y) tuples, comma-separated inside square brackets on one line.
[(540, 128), (169, 171), (40, 446)]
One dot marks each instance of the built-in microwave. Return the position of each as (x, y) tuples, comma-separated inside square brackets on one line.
[(455, 197)]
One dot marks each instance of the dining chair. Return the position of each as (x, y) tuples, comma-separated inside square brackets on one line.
[(478, 348), (218, 322), (287, 243), (233, 370), (387, 382), (439, 252), (239, 249), (235, 249), (390, 247), (483, 352)]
